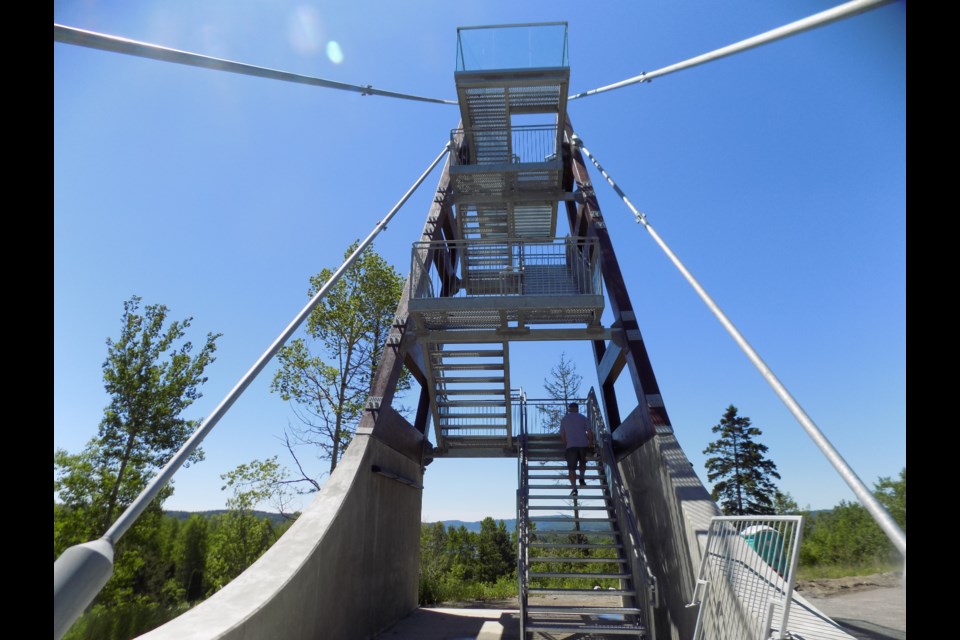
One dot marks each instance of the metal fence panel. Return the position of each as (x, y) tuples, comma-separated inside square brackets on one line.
[(746, 578)]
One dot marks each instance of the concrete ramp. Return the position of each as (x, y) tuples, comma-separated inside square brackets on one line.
[(347, 568)]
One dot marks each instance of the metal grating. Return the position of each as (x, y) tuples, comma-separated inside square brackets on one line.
[(746, 575)]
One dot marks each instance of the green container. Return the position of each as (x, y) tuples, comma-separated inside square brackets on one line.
[(769, 545)]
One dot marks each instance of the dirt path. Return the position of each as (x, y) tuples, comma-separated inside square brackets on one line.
[(833, 586)]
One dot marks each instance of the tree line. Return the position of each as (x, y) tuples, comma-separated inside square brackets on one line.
[(172, 565), (461, 565)]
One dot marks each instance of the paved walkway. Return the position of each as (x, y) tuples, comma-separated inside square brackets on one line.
[(439, 623), (870, 614)]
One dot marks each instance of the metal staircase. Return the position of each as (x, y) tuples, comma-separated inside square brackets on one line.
[(581, 566), (470, 398)]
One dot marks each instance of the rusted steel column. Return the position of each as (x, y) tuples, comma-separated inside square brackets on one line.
[(585, 219)]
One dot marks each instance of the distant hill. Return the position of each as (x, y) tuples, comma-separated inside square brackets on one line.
[(511, 524), (274, 518)]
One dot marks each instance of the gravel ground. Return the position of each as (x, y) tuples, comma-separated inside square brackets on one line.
[(868, 607)]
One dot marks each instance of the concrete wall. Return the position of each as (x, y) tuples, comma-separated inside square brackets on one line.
[(347, 568), (674, 511)]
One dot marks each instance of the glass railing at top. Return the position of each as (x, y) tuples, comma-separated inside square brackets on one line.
[(512, 46)]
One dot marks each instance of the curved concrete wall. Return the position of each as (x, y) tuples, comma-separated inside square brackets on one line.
[(347, 568), (674, 511)]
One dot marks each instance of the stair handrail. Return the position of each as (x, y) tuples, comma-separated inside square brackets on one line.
[(523, 499), (643, 579)]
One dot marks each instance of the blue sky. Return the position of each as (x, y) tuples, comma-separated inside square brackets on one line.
[(777, 175)]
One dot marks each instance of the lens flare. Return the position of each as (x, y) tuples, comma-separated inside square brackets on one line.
[(334, 52), (305, 30)]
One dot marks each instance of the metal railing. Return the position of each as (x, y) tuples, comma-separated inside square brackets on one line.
[(509, 267), (542, 416), (644, 581), (746, 575), (523, 501), (523, 144)]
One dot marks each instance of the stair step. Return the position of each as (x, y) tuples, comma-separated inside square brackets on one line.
[(540, 591), (571, 574), (566, 519), (554, 560), (579, 628), (569, 532), (627, 611), (473, 366), (551, 507), (472, 392), (565, 487), (455, 427), (469, 380), (471, 403), (555, 497), (447, 416), (555, 467), (468, 353), (563, 477), (572, 545)]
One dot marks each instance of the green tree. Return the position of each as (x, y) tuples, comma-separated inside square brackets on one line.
[(847, 537), (152, 377), (190, 558), (240, 537), (563, 385), (495, 555), (462, 551), (785, 505), (739, 468), (434, 562), (327, 376), (892, 494)]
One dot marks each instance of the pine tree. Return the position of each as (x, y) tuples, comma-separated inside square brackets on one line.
[(739, 468), (563, 385)]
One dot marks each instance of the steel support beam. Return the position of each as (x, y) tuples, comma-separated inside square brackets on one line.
[(423, 410), (612, 362), (586, 219)]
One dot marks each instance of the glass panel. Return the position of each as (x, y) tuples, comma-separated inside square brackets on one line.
[(521, 46)]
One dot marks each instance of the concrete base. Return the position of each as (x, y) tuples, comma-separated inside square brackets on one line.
[(347, 568)]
